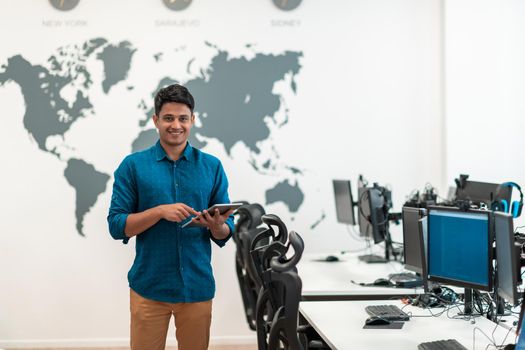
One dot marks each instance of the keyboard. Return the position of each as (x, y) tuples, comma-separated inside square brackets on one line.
[(449, 344), (388, 312)]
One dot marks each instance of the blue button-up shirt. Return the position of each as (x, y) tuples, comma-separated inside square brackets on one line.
[(172, 264)]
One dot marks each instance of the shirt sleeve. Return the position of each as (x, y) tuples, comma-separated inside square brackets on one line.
[(220, 195), (123, 201)]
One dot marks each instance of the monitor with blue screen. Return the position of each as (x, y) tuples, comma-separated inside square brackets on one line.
[(459, 247)]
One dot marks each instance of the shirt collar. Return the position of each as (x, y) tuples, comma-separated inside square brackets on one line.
[(188, 152), (161, 153)]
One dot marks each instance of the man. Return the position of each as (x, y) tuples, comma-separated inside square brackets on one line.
[(154, 192)]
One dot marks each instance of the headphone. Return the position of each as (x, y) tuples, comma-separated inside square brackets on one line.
[(502, 205), (387, 203)]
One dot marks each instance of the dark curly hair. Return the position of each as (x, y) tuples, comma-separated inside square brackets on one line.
[(173, 93)]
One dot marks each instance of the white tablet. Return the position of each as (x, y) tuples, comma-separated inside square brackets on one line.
[(223, 208)]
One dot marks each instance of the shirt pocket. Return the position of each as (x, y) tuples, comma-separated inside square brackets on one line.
[(197, 192), (196, 198), (153, 192)]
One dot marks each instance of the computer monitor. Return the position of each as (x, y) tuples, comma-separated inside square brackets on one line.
[(459, 247), (372, 207), (365, 227), (344, 204), (414, 254), (482, 192), (507, 258)]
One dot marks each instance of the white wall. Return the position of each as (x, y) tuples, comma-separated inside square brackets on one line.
[(369, 101), (485, 95)]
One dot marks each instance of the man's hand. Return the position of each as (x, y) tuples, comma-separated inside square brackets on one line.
[(215, 222), (176, 212), (137, 223)]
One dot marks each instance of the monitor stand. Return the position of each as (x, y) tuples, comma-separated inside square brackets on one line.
[(500, 309), (468, 302), (389, 249), (372, 259), (469, 305), (377, 259)]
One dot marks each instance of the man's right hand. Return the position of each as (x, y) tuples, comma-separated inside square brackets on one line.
[(176, 212)]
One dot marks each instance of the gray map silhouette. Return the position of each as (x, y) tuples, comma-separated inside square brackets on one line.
[(234, 97), (48, 114)]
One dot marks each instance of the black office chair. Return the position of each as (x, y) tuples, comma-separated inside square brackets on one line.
[(269, 299), (249, 217), (285, 292), (277, 310), (267, 244), (267, 238)]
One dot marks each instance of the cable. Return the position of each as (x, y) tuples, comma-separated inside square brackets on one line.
[(367, 217), (494, 330), (353, 234), (506, 335), (474, 337), (411, 195), (360, 208), (504, 339), (437, 314)]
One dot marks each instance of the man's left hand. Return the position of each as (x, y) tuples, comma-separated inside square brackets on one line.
[(215, 221)]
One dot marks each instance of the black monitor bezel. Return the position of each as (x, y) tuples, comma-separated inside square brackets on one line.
[(490, 240), (347, 184), (421, 213), (514, 259)]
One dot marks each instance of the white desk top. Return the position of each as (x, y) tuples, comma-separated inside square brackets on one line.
[(340, 323), (333, 280)]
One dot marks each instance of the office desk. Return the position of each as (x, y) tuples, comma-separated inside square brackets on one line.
[(324, 280), (340, 324)]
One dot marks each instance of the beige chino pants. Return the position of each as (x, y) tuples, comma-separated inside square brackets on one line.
[(150, 322)]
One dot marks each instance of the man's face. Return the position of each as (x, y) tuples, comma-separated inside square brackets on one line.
[(174, 123)]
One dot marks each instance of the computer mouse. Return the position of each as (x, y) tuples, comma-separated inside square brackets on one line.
[(331, 258), (382, 282), (377, 321)]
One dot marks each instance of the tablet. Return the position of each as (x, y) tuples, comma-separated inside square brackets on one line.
[(223, 208)]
